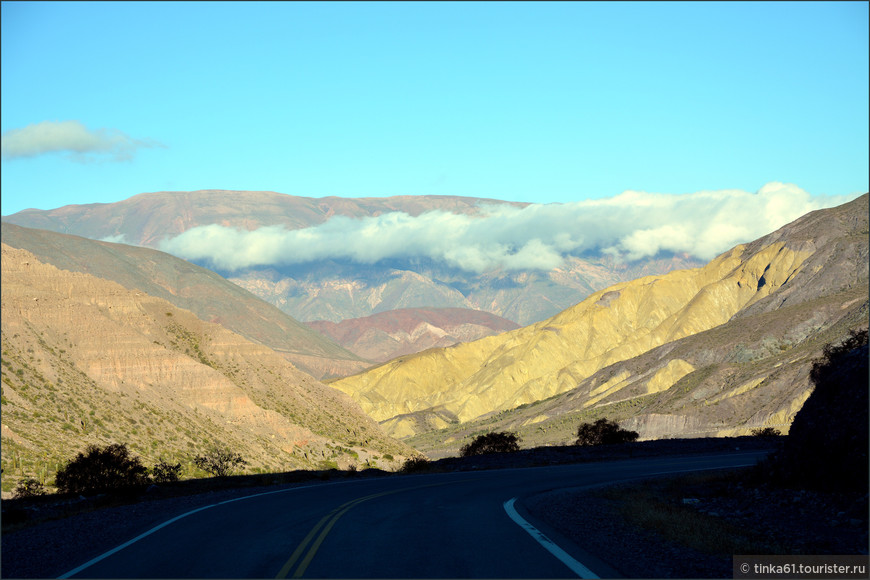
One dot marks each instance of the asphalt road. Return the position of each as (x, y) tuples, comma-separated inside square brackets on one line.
[(451, 525)]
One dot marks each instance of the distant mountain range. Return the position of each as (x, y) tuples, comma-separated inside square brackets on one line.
[(387, 335), (86, 360), (105, 342), (334, 289), (715, 350)]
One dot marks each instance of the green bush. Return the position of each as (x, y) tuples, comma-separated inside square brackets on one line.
[(101, 469), (28, 488), (415, 464), (766, 432), (219, 461), (164, 472), (503, 442), (603, 432)]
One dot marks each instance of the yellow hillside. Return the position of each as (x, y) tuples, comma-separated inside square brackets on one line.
[(501, 372)]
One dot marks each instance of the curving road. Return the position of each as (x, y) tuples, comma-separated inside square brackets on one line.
[(450, 525)]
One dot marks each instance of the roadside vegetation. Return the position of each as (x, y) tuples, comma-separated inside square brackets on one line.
[(502, 442), (604, 432)]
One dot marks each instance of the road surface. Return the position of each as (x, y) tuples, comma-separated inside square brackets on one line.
[(449, 525)]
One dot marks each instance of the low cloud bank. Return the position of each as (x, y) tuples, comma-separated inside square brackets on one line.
[(631, 226), (82, 144)]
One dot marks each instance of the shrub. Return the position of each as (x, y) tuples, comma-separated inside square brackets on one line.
[(503, 442), (100, 469), (219, 461), (766, 432), (164, 472), (28, 488), (604, 432), (415, 464)]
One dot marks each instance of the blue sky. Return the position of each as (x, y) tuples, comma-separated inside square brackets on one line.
[(537, 102)]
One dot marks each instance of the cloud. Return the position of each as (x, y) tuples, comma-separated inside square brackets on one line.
[(631, 226), (73, 138), (115, 239)]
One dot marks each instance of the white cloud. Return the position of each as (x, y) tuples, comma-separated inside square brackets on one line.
[(632, 225), (73, 138), (115, 239)]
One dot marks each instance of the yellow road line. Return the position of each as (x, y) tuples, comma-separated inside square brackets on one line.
[(326, 523)]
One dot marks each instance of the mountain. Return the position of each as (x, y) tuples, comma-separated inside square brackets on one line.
[(86, 360), (148, 218), (387, 335), (206, 294), (333, 289), (713, 350)]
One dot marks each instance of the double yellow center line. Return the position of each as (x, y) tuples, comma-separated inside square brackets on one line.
[(323, 527)]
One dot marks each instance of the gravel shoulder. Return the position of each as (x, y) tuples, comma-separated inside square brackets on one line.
[(719, 518)]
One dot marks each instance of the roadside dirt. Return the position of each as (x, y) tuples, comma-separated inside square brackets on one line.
[(691, 526)]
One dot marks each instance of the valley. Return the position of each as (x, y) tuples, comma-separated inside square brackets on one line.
[(717, 350), (107, 342)]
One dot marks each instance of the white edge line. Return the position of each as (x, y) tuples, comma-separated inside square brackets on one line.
[(105, 555), (125, 544), (563, 556), (575, 566)]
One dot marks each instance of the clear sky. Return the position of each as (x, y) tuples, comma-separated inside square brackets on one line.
[(538, 102)]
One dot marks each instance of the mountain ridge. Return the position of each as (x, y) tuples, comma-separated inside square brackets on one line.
[(191, 287), (86, 360), (336, 290), (496, 374), (387, 335)]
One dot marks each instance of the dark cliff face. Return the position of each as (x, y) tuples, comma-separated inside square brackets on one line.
[(828, 441)]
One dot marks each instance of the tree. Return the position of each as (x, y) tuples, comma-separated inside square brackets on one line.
[(603, 432), (503, 442), (100, 469), (219, 461)]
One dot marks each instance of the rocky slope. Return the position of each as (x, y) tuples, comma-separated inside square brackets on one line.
[(714, 350), (86, 360), (336, 290), (394, 333), (209, 296)]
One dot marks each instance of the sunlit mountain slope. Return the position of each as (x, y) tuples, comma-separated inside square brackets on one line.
[(821, 254)]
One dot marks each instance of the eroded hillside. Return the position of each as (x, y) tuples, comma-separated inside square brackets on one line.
[(86, 360), (387, 335), (594, 350), (209, 296)]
